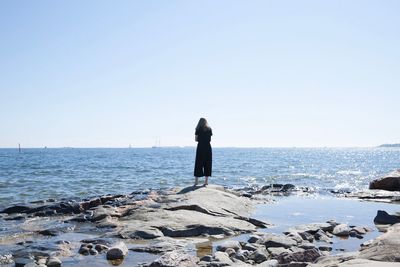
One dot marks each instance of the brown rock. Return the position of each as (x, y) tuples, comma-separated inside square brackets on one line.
[(390, 182)]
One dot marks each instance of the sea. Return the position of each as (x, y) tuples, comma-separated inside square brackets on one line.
[(59, 173)]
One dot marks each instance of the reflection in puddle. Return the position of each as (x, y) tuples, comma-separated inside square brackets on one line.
[(204, 248)]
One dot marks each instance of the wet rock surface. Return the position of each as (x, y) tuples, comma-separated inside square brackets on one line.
[(167, 224)]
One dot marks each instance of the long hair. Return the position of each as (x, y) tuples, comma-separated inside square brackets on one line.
[(203, 125)]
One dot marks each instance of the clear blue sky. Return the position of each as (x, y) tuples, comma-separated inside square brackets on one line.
[(264, 73)]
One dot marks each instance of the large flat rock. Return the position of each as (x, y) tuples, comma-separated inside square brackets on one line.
[(385, 247), (192, 211)]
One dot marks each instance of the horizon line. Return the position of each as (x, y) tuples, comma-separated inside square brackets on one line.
[(155, 147)]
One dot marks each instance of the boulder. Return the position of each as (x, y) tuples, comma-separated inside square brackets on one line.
[(117, 252), (382, 217), (385, 247), (341, 230), (390, 182)]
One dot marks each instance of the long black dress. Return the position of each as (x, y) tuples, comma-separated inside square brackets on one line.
[(203, 165)]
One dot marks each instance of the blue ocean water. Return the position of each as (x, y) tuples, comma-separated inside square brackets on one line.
[(37, 174)]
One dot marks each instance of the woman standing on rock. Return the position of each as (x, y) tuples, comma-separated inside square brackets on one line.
[(203, 163)]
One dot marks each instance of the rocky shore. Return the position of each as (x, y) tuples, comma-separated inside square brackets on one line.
[(178, 228)]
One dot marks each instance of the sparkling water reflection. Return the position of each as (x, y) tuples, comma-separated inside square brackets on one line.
[(72, 172)]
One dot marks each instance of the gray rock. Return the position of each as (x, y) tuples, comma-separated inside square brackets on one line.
[(359, 230), (21, 262), (306, 236), (298, 264), (250, 247), (341, 230), (84, 250), (16, 209), (382, 217), (149, 233), (325, 248), (175, 258), (241, 255), (53, 262), (254, 239), (192, 212), (295, 236), (296, 249), (259, 256), (385, 247), (230, 252), (390, 182), (306, 245), (334, 260), (275, 252), (312, 228), (271, 240), (268, 263), (321, 236), (309, 255), (206, 258), (222, 257), (117, 252)]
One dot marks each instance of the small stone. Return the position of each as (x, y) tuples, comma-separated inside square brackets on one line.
[(230, 252), (229, 244), (101, 248), (325, 248), (84, 250), (207, 258), (92, 251), (118, 251), (254, 239), (42, 261)]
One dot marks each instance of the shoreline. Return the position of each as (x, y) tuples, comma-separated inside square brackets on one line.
[(117, 219)]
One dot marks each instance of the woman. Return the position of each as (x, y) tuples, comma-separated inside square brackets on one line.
[(203, 163)]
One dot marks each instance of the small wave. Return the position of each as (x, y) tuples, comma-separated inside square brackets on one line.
[(304, 174), (349, 172)]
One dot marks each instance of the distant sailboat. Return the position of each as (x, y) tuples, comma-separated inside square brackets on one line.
[(157, 144)]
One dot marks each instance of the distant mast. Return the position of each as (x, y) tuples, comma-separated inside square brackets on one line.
[(158, 143), (19, 147)]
